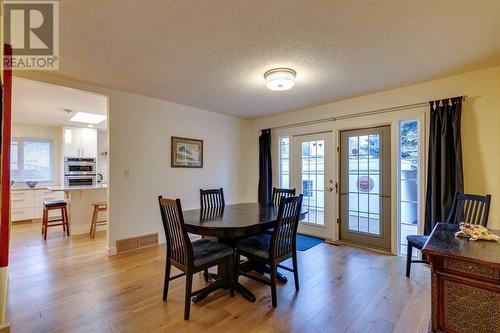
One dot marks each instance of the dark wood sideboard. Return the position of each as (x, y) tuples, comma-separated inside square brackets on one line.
[(465, 282)]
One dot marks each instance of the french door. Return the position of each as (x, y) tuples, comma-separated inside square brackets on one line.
[(312, 176), (365, 187)]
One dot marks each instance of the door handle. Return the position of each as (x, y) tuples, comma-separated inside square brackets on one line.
[(330, 189)]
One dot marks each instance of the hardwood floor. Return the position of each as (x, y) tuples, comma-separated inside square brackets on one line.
[(69, 285)]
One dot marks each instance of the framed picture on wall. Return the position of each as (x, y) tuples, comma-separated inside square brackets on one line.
[(186, 153)]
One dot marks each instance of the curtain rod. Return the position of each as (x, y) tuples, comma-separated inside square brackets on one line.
[(361, 114)]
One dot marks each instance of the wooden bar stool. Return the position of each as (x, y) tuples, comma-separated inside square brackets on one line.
[(98, 207), (46, 222)]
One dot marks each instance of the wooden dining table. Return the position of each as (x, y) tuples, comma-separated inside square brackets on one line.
[(229, 224)]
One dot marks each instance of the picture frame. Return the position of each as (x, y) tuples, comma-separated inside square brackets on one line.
[(186, 152)]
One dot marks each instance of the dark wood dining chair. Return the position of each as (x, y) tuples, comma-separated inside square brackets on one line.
[(189, 257), (211, 199), (469, 208), (273, 249), (279, 193)]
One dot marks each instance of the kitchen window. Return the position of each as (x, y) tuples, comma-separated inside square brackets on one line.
[(31, 159)]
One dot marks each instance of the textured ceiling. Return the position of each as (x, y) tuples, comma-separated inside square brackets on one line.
[(212, 54)]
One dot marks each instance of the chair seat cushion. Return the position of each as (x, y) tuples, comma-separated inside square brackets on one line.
[(54, 203), (206, 250), (418, 240), (256, 245)]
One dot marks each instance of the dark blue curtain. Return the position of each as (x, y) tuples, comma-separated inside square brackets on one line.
[(265, 167), (445, 169)]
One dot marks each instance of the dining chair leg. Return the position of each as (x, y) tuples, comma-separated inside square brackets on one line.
[(230, 271), (295, 270), (409, 254), (205, 274), (273, 285), (187, 300), (236, 267), (167, 279)]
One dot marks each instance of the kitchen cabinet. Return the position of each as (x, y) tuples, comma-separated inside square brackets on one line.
[(27, 204), (80, 142)]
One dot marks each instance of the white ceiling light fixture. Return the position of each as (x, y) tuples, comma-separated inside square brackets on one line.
[(88, 118), (280, 78)]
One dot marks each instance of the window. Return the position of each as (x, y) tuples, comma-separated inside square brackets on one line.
[(31, 159), (408, 182), (284, 181)]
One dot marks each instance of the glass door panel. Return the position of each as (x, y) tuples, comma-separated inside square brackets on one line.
[(365, 187), (313, 180), (312, 169)]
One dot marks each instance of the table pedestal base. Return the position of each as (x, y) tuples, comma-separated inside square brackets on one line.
[(261, 269), (222, 283)]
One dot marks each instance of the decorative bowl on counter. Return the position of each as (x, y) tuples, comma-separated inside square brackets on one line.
[(31, 183)]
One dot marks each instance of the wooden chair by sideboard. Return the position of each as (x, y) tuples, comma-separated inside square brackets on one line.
[(98, 207), (470, 208), (47, 222)]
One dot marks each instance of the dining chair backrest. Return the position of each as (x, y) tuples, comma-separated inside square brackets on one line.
[(470, 208), (211, 213), (212, 198), (279, 193), (285, 231), (179, 246)]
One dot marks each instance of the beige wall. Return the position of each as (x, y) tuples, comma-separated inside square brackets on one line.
[(47, 133), (139, 130), (480, 123)]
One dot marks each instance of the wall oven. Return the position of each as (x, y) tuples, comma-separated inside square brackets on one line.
[(80, 171), (79, 166), (80, 180)]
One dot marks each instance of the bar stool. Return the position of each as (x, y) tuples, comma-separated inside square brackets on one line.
[(46, 222), (98, 207)]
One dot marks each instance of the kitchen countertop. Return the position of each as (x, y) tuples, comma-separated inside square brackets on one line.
[(29, 188), (78, 188)]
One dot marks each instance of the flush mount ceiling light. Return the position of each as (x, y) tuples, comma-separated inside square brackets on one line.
[(88, 118), (280, 78)]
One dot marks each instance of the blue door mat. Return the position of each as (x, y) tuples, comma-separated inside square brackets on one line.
[(306, 242)]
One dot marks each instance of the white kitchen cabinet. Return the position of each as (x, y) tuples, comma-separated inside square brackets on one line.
[(22, 203), (28, 204), (80, 142), (88, 140), (71, 139)]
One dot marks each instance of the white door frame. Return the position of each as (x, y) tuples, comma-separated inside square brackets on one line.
[(326, 230), (392, 119), (389, 118), (298, 131)]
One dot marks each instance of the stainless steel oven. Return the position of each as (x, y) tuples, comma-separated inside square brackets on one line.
[(80, 171), (88, 180), (75, 166)]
